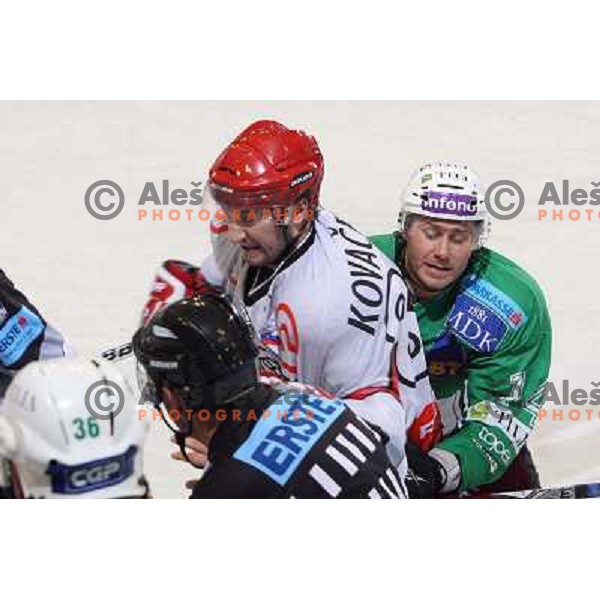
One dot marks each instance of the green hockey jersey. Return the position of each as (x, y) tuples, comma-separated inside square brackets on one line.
[(488, 344)]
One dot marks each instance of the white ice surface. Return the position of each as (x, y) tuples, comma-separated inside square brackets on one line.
[(91, 277)]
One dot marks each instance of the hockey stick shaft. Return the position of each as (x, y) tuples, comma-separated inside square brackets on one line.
[(581, 490)]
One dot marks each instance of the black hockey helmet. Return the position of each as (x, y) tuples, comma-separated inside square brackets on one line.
[(201, 350)]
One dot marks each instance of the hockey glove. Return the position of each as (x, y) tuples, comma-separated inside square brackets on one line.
[(426, 476), (426, 429), (175, 280)]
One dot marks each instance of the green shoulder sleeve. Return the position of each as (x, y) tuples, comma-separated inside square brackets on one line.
[(386, 242)]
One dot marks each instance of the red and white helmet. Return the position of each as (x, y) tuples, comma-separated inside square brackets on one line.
[(446, 190), (267, 165), (57, 448)]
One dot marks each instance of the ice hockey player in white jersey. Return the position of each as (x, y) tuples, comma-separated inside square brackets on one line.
[(321, 296), (62, 436)]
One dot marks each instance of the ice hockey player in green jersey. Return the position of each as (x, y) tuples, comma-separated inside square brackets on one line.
[(486, 331)]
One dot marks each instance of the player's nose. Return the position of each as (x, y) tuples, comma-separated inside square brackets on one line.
[(442, 248)]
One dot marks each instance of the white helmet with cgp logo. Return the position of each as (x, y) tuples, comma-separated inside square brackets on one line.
[(446, 190), (71, 429)]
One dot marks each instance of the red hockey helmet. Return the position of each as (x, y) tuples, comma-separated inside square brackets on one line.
[(267, 165)]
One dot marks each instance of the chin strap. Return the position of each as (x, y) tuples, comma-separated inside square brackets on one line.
[(289, 241), (179, 437)]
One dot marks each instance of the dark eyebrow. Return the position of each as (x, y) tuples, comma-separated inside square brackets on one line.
[(454, 229)]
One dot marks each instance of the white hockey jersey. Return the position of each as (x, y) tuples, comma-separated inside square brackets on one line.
[(336, 311)]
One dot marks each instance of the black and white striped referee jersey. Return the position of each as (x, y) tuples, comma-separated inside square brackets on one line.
[(309, 448)]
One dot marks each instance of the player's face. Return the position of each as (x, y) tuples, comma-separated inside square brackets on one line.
[(437, 253), (261, 241), (259, 235)]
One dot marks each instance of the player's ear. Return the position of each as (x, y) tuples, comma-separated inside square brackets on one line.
[(406, 224), (477, 230)]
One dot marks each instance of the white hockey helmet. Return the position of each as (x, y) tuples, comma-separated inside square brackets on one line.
[(60, 448), (446, 190)]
